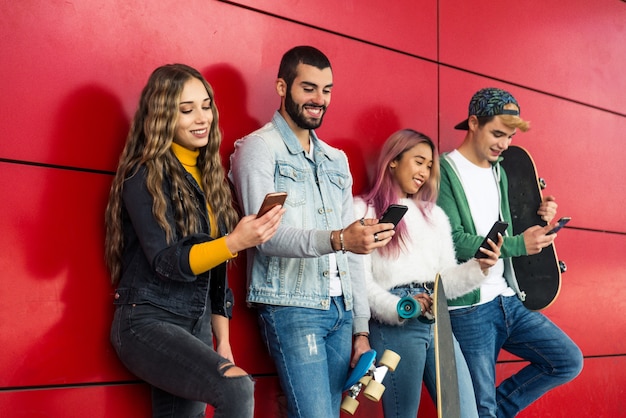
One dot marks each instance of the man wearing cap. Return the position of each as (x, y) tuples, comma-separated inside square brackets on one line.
[(474, 194)]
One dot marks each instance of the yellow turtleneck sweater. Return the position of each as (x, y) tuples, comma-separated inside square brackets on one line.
[(204, 256)]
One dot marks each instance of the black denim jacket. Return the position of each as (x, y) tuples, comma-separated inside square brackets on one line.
[(158, 273)]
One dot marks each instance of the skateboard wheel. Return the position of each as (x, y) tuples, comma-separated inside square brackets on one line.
[(365, 380), (562, 266), (408, 307), (349, 405), (374, 391), (542, 183), (390, 359)]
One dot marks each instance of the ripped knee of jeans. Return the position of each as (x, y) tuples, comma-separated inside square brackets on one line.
[(228, 369)]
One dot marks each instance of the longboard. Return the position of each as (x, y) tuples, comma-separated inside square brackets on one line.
[(538, 275), (448, 398)]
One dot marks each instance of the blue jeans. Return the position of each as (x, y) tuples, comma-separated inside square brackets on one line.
[(175, 355), (414, 341), (311, 349), (504, 323)]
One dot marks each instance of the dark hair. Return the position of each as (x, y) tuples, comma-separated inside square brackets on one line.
[(483, 120), (301, 55), (510, 121)]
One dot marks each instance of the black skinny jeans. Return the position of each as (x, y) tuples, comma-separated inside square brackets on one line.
[(175, 355)]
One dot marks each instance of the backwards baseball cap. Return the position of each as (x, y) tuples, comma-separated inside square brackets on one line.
[(489, 101)]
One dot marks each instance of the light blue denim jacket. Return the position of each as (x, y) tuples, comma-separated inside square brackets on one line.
[(292, 268)]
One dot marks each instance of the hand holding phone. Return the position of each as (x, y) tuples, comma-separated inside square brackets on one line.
[(271, 200), (393, 214), (497, 228), (559, 224)]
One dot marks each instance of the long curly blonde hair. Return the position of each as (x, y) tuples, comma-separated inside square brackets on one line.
[(148, 144)]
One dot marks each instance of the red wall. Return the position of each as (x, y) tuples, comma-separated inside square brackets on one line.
[(70, 77)]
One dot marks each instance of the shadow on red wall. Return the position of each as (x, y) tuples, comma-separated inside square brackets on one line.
[(373, 126), (63, 240), (231, 98)]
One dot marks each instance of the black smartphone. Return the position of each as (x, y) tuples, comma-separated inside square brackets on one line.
[(271, 200), (393, 214), (560, 224), (497, 228)]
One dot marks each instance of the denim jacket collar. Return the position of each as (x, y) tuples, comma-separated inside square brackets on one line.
[(291, 141)]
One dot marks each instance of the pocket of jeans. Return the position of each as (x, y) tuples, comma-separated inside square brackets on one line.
[(462, 311), (262, 321), (114, 336)]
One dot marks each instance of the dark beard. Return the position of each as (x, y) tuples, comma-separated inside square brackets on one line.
[(296, 114)]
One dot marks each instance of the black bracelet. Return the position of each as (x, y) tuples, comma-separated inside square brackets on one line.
[(362, 334)]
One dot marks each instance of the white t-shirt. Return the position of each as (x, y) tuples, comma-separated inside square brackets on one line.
[(483, 197)]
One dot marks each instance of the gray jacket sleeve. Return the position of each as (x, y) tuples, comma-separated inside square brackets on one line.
[(252, 173)]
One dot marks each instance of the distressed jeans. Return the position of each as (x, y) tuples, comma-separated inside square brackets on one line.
[(414, 341), (175, 355), (311, 349), (504, 323)]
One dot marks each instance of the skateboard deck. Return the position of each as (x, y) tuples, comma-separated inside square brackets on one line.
[(538, 275), (365, 363), (368, 378), (448, 398)]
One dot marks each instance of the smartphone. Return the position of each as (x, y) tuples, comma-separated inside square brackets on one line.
[(393, 214), (271, 200), (560, 224), (497, 228)]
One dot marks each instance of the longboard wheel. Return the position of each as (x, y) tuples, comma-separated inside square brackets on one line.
[(542, 183), (365, 380), (374, 391), (390, 359), (408, 307), (349, 405)]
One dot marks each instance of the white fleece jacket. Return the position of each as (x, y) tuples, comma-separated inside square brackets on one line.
[(430, 251)]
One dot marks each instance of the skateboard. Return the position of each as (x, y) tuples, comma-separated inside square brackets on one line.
[(368, 378), (538, 275), (448, 398)]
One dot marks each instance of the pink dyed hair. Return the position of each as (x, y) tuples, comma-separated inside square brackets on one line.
[(384, 192)]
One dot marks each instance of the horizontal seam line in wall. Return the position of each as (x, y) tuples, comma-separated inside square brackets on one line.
[(56, 166), (605, 231), (437, 62), (95, 384), (70, 385), (595, 356)]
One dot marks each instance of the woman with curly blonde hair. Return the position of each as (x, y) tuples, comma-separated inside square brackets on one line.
[(171, 228)]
